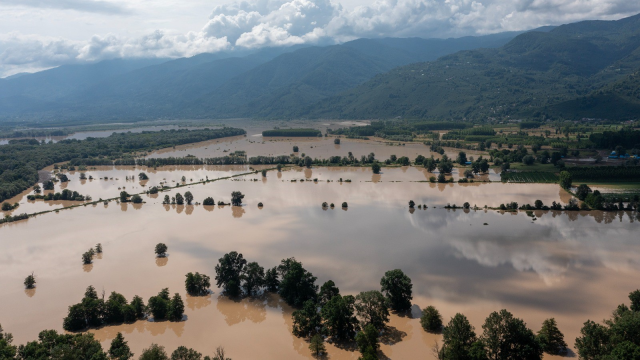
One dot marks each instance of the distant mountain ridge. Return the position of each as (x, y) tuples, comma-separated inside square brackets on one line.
[(268, 82)]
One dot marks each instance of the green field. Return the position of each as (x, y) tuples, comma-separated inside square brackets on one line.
[(529, 177)]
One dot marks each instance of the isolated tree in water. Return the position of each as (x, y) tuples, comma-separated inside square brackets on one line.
[(197, 284), (375, 168), (188, 197), (236, 198), (30, 281), (397, 288), (161, 250), (507, 337), (431, 319)]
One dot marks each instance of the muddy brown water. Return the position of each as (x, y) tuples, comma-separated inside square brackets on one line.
[(571, 266)]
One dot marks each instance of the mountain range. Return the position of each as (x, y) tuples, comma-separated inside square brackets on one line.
[(585, 69)]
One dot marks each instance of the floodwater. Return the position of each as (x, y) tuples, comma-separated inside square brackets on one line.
[(318, 147), (571, 266)]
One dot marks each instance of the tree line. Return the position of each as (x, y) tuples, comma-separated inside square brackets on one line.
[(21, 160), (52, 345)]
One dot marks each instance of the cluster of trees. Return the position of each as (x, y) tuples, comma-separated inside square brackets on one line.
[(179, 199), (625, 137), (617, 338), (12, 218), (292, 132), (320, 310), (93, 311), (7, 206), (51, 345), (504, 337), (66, 194), (21, 160)]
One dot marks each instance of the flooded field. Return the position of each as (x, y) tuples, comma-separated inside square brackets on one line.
[(320, 147), (555, 266)]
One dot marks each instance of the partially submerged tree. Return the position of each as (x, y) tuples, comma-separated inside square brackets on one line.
[(161, 250), (397, 288), (431, 320), (30, 281), (236, 198), (197, 284)]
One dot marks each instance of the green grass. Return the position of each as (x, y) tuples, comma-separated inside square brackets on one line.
[(529, 177)]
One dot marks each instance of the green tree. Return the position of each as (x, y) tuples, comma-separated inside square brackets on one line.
[(429, 164), (375, 167), (136, 199), (197, 284), (316, 345), (565, 179), (159, 305), (634, 296), (442, 178), (397, 288), (208, 201), (583, 191), (431, 320), (339, 317), (367, 341), (327, 291), (551, 338), (593, 342), (295, 148), (185, 353), (457, 338), (297, 284), (188, 197), (30, 281), (271, 281), (538, 204), (462, 158), (119, 349), (87, 257), (253, 277), (236, 198), (161, 250), (229, 271), (371, 308), (166, 200), (137, 304), (98, 248), (179, 199), (124, 196), (264, 173), (307, 321), (7, 350), (51, 345), (142, 176), (508, 338), (308, 161), (154, 352)]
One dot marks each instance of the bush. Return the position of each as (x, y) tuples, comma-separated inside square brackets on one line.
[(208, 201), (345, 205), (136, 199), (161, 250)]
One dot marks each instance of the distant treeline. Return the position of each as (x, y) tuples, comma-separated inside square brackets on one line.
[(610, 139), (21, 159), (605, 173), (34, 133), (292, 132), (398, 130)]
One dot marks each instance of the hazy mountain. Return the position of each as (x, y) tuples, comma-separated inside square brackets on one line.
[(268, 82)]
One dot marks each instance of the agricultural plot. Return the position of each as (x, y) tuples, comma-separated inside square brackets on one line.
[(529, 177)]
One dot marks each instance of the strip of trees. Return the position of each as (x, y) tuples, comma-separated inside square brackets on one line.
[(51, 345), (94, 311)]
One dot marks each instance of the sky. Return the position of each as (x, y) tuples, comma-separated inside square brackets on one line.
[(40, 34)]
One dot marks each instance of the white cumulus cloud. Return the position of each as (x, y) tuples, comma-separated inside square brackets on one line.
[(260, 23)]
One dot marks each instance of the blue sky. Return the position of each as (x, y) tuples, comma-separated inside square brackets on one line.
[(39, 34)]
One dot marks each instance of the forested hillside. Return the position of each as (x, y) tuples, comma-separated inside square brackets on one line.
[(588, 69)]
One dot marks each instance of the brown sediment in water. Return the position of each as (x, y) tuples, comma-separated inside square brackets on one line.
[(555, 267)]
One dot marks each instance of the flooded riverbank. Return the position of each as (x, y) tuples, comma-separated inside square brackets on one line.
[(555, 266)]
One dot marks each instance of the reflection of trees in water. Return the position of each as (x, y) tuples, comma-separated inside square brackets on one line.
[(279, 174), (98, 256), (237, 211), (179, 208), (162, 261), (308, 173), (189, 209), (137, 206), (87, 268), (375, 178), (153, 196), (236, 311), (107, 333), (123, 206), (30, 292), (209, 207), (198, 302), (167, 207)]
